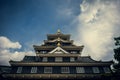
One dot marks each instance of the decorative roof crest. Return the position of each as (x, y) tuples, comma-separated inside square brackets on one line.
[(58, 44), (58, 31), (58, 39)]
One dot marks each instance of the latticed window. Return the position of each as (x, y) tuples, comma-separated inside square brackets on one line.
[(95, 70), (73, 52), (47, 69), (45, 59), (34, 70), (19, 70), (80, 70), (106, 69), (65, 70), (72, 59), (43, 52), (58, 59)]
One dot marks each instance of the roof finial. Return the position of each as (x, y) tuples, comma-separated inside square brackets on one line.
[(58, 31), (58, 39), (58, 44)]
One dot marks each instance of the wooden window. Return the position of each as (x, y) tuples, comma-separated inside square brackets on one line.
[(51, 59), (43, 52), (65, 70), (88, 69), (72, 59), (66, 59), (73, 52), (58, 59), (80, 70), (47, 69), (19, 70), (44, 59), (34, 70), (95, 70), (106, 69)]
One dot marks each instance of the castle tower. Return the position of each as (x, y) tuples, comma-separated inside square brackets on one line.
[(59, 58)]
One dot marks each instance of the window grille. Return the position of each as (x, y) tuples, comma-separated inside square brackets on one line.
[(19, 70), (72, 59), (80, 70), (44, 59), (65, 70), (106, 69), (58, 59), (47, 69), (73, 52), (43, 52), (95, 70), (34, 70)]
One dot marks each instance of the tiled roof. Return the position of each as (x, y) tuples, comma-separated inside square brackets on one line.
[(29, 58), (82, 59), (88, 59), (52, 47), (85, 59)]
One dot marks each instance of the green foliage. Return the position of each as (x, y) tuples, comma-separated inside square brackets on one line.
[(117, 43), (117, 54)]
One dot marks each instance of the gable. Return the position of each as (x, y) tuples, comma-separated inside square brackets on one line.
[(58, 50)]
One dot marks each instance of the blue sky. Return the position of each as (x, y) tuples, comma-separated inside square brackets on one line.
[(29, 21), (92, 23)]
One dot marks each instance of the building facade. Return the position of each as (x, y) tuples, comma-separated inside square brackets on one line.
[(59, 58)]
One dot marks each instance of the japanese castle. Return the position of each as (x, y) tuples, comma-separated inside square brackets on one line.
[(59, 58)]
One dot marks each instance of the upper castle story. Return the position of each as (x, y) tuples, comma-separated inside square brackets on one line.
[(59, 42)]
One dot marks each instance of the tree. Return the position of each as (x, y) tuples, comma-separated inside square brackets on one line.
[(117, 55)]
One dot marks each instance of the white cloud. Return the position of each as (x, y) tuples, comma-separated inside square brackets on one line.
[(98, 23), (20, 55), (6, 54), (6, 43)]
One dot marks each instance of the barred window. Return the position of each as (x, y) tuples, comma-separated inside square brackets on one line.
[(43, 52), (34, 70), (47, 69), (106, 69), (95, 70), (73, 51), (80, 70), (58, 59), (19, 70), (65, 70), (72, 59), (45, 59)]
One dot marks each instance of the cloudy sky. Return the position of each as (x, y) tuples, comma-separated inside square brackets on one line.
[(92, 23)]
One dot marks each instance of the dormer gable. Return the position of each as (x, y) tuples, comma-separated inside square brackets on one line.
[(58, 50)]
